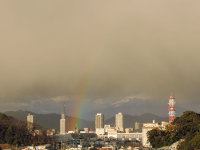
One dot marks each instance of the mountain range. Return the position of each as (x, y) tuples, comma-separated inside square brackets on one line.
[(52, 120)]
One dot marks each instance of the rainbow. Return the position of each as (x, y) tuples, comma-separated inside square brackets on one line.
[(79, 104), (80, 100)]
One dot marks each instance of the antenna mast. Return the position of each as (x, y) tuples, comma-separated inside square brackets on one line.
[(63, 112), (172, 111)]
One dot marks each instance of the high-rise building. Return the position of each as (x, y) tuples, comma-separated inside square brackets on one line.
[(119, 122), (99, 121), (30, 121), (63, 121)]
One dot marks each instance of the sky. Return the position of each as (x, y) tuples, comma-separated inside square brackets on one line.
[(99, 54)]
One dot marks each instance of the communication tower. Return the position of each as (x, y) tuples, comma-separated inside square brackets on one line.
[(172, 111)]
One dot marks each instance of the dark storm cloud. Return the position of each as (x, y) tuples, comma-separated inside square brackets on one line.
[(116, 48)]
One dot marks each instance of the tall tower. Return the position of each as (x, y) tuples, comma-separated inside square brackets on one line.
[(172, 111), (119, 122), (99, 121), (63, 121)]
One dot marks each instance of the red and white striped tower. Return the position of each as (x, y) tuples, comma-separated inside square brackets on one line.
[(172, 111)]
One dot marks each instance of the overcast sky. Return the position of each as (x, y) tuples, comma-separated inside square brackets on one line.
[(101, 51)]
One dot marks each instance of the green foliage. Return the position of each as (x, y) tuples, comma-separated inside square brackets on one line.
[(15, 132), (9, 137), (195, 141), (186, 127), (3, 117), (155, 137)]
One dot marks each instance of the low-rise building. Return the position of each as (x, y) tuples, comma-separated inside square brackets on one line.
[(100, 131), (106, 127), (51, 132), (112, 133), (130, 136), (138, 126), (129, 130), (86, 130), (37, 132), (149, 126)]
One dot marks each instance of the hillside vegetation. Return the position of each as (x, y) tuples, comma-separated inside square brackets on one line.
[(186, 127), (15, 132)]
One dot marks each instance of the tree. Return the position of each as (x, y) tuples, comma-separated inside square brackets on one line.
[(195, 142), (14, 132), (9, 135), (155, 137), (186, 127)]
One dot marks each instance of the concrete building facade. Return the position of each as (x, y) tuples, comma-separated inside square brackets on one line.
[(119, 122), (138, 126), (30, 121), (149, 126), (99, 121), (130, 136), (63, 121)]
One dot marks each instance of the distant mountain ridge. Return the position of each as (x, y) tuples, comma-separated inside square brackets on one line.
[(129, 120), (52, 120)]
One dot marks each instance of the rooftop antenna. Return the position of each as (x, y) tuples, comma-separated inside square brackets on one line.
[(63, 111)]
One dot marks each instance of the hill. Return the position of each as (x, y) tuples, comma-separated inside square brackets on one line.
[(51, 120), (185, 128), (15, 132), (129, 120)]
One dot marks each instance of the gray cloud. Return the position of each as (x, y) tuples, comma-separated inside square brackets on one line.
[(111, 49)]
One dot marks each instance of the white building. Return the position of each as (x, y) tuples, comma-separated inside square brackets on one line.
[(99, 121), (100, 131), (119, 122), (128, 130), (112, 132), (63, 122), (106, 127), (130, 136), (30, 121), (86, 130), (149, 126)]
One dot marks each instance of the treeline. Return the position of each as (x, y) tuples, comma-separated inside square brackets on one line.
[(15, 132), (186, 127)]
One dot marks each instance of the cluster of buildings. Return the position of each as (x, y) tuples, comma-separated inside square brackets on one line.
[(106, 131), (34, 129), (139, 133), (118, 131)]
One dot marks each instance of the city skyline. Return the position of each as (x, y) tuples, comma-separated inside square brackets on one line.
[(106, 75), (99, 56)]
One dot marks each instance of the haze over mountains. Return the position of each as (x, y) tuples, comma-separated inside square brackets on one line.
[(45, 120), (132, 106), (52, 120)]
